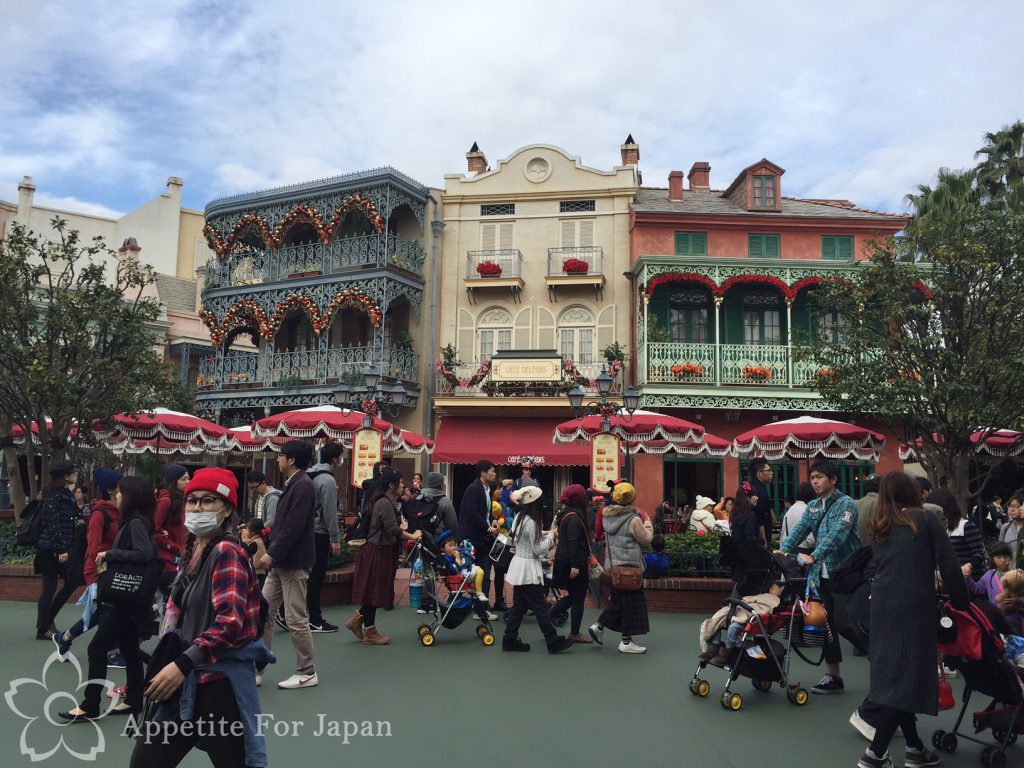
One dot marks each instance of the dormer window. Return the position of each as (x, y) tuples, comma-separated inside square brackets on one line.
[(764, 192)]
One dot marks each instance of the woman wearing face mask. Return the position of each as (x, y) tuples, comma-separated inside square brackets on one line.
[(122, 627), (214, 609)]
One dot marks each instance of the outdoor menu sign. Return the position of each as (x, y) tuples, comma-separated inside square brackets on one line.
[(367, 450), (604, 460)]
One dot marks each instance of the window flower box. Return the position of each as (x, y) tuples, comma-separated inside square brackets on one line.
[(757, 373), (488, 269), (575, 267)]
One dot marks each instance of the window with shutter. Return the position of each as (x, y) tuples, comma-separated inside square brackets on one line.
[(763, 246), (577, 233), (496, 236), (691, 243), (837, 248)]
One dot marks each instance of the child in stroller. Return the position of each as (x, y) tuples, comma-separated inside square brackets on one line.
[(451, 587), (776, 587), (459, 559)]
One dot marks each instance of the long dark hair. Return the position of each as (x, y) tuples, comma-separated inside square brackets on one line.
[(897, 493), (137, 499), (944, 498), (741, 507), (535, 512)]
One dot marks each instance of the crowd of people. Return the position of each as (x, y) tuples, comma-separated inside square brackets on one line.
[(214, 588)]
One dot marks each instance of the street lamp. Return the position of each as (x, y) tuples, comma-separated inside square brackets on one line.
[(374, 399), (605, 408)]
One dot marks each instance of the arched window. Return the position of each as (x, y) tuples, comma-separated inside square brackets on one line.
[(576, 335), (762, 318), (688, 315), (494, 332)]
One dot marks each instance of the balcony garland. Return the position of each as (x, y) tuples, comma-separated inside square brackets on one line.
[(681, 277), (442, 367), (769, 280), (301, 212), (789, 291)]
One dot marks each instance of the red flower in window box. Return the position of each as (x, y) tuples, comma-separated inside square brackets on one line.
[(756, 373), (689, 370), (488, 269), (575, 267)]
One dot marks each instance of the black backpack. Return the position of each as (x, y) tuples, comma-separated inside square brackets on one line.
[(31, 525), (424, 515)]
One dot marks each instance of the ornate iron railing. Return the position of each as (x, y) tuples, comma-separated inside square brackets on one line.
[(557, 257), (509, 261), (713, 364), (295, 369), (666, 363), (337, 255)]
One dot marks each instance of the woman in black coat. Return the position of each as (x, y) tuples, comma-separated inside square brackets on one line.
[(744, 528), (57, 517), (907, 544), (571, 570), (122, 627)]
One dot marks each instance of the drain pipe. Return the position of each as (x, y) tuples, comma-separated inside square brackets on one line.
[(436, 226)]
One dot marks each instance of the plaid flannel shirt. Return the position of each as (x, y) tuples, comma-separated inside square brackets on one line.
[(837, 537), (235, 597)]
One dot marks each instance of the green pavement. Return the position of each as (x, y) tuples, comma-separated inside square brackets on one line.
[(464, 704)]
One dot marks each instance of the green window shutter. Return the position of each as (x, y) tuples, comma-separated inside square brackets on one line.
[(828, 247), (691, 243), (844, 248), (755, 246), (733, 320), (771, 246)]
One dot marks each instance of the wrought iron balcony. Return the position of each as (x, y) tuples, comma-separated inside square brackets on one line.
[(334, 257), (459, 383), (566, 262), (507, 263), (755, 365), (291, 370)]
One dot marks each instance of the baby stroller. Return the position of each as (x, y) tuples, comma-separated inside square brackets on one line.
[(452, 596), (979, 655), (761, 657)]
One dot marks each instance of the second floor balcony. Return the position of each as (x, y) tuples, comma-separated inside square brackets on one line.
[(742, 365), (494, 269), (474, 380), (339, 255), (289, 370)]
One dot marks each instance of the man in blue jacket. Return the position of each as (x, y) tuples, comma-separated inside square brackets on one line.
[(474, 519), (289, 559)]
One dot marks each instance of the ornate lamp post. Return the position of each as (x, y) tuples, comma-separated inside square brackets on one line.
[(605, 407), (374, 399)]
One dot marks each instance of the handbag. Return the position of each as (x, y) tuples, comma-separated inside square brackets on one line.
[(946, 698), (594, 568), (129, 585), (504, 548)]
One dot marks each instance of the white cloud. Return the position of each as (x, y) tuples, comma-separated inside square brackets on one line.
[(859, 100)]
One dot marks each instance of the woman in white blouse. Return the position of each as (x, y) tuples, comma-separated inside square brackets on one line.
[(526, 573)]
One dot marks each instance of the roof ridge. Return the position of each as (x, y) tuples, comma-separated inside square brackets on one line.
[(834, 203)]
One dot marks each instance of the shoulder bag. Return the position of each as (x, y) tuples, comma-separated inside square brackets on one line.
[(625, 578), (594, 568), (504, 547), (128, 585)]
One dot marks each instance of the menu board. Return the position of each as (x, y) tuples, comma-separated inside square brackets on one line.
[(367, 450), (604, 461)]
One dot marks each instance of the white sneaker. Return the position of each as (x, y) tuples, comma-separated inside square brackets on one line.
[(597, 634), (864, 728), (259, 679), (949, 672), (631, 647), (299, 681)]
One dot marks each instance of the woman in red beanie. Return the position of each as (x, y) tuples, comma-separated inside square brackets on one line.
[(571, 571), (215, 611)]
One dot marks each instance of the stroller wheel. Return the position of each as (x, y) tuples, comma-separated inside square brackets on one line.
[(427, 638), (424, 628), (703, 688), (732, 701), (937, 739), (949, 743), (481, 630), (993, 758), (762, 685), (487, 638), (798, 696)]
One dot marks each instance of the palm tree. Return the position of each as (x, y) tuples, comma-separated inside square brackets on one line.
[(954, 191), (1003, 164)]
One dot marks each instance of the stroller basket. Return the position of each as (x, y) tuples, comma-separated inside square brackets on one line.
[(804, 635)]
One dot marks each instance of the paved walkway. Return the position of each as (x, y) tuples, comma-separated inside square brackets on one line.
[(460, 703)]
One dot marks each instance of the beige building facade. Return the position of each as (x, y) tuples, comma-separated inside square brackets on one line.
[(533, 295)]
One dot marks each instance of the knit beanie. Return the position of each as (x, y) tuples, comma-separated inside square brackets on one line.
[(105, 479), (435, 480), (574, 495), (216, 480), (172, 472)]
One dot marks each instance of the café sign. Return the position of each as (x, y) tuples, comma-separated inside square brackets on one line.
[(526, 369)]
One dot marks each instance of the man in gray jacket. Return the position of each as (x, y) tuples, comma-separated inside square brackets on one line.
[(433, 491), (325, 531)]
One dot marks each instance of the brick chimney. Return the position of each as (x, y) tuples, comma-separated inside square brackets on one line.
[(675, 186), (476, 161), (26, 195), (630, 152), (129, 249), (700, 176)]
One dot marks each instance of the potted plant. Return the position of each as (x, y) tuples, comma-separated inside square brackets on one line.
[(405, 340), (488, 269), (756, 373), (575, 267), (687, 371)]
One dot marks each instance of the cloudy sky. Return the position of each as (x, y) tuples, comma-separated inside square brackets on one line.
[(100, 102)]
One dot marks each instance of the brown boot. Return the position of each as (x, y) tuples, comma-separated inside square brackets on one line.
[(355, 625), (372, 637)]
